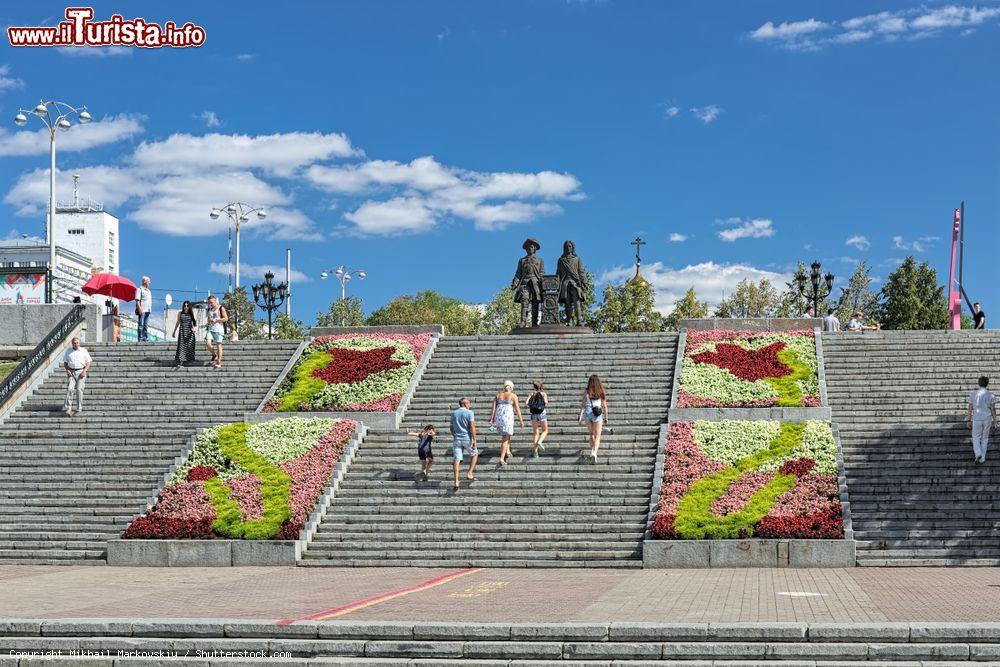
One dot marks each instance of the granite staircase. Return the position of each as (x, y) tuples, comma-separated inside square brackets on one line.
[(899, 401), (68, 484), (557, 510)]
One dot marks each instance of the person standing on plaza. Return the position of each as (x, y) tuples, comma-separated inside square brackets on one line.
[(217, 318), (978, 317), (185, 341), (830, 322), (505, 405), (594, 411), (77, 363), (143, 308), (537, 404), (463, 433), (982, 413)]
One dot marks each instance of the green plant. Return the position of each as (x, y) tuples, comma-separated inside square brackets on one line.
[(788, 387), (304, 385)]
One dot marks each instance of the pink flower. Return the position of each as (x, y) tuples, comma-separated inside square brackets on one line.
[(740, 492), (683, 464)]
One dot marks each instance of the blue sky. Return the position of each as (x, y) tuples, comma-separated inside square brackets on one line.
[(424, 141)]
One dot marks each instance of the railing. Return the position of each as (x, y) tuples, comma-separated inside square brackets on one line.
[(42, 351)]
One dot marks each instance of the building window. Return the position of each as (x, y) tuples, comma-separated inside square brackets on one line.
[(76, 232), (7, 265), (111, 239), (111, 255)]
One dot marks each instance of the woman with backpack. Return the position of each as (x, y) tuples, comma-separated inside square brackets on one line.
[(537, 404), (594, 410)]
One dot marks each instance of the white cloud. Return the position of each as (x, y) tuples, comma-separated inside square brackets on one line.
[(444, 34), (257, 271), (706, 114), (918, 245), (210, 118), (677, 238), (745, 229), (277, 153), (245, 57), (859, 242), (711, 281), (671, 112), (392, 217), (112, 186), (8, 82), (887, 26), (94, 51), (77, 138)]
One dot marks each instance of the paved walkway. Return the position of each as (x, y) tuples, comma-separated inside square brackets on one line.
[(503, 595)]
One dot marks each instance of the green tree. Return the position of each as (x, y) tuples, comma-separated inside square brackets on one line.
[(346, 313), (792, 304), (242, 315), (628, 308), (501, 314), (858, 295), (913, 299), (750, 300), (458, 317), (687, 307), (288, 328)]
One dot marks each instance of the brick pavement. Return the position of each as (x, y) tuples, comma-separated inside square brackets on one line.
[(507, 595)]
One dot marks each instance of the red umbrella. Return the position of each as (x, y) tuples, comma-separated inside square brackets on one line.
[(111, 285)]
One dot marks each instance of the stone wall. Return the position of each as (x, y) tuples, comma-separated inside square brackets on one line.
[(389, 328), (28, 324), (752, 323)]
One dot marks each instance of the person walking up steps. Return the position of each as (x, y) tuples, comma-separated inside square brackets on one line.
[(77, 363), (505, 404), (463, 433), (217, 318), (537, 404), (185, 342), (982, 413), (425, 437), (594, 411)]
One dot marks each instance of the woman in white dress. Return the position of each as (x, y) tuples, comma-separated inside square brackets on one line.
[(505, 406)]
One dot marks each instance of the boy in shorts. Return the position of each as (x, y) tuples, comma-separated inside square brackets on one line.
[(425, 438)]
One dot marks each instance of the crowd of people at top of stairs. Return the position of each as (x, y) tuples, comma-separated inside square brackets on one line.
[(507, 407), (857, 323)]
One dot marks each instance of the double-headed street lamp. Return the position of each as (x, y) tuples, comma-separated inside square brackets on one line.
[(269, 297), (819, 290), (237, 213), (55, 116), (343, 274)]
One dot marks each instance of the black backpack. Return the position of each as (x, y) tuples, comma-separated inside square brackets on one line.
[(536, 404)]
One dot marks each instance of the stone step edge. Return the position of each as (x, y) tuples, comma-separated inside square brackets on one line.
[(622, 631)]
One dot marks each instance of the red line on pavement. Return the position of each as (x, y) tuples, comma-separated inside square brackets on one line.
[(382, 597)]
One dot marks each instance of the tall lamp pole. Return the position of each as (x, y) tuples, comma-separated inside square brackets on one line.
[(820, 290), (237, 212), (343, 274), (269, 297), (55, 116)]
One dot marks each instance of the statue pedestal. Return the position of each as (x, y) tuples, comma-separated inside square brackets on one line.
[(550, 329)]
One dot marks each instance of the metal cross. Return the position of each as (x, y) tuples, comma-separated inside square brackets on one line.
[(638, 243)]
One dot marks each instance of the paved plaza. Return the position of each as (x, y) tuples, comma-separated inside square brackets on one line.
[(503, 595)]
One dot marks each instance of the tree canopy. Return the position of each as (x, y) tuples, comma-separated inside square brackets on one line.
[(750, 299), (346, 313), (687, 307), (429, 307), (913, 299), (628, 308)]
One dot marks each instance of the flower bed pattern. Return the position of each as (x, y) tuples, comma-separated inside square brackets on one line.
[(248, 481), (351, 373), (740, 479), (749, 369)]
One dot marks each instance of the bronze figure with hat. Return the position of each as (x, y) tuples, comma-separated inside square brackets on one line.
[(527, 284)]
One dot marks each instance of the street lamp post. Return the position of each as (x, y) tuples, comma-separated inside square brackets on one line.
[(343, 274), (237, 213), (819, 290), (269, 297), (55, 116)]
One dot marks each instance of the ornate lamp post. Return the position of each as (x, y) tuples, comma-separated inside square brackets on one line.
[(55, 116), (819, 290), (343, 274), (269, 297), (237, 212)]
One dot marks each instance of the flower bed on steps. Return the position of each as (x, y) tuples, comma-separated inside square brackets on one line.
[(740, 479), (248, 481), (351, 373), (749, 369)]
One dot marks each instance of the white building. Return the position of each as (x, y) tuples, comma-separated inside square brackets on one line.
[(30, 256), (83, 226)]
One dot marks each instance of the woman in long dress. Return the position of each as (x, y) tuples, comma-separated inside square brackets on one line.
[(505, 406), (185, 341)]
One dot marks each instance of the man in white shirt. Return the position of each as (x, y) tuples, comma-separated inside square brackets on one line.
[(982, 413), (830, 322), (77, 363), (143, 307)]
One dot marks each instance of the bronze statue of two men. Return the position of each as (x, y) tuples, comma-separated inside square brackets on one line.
[(527, 284)]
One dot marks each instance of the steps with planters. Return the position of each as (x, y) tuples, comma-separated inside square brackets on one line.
[(69, 484), (899, 399), (557, 510)]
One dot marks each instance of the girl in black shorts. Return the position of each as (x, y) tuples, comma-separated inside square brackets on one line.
[(425, 438)]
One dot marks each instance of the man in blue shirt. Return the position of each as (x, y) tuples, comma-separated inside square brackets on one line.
[(463, 433)]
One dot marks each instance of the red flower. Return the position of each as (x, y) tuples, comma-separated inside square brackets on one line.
[(798, 467), (159, 527), (663, 526), (351, 366), (747, 364), (201, 473), (823, 525)]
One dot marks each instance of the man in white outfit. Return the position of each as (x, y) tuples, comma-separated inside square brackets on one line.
[(77, 363), (982, 413)]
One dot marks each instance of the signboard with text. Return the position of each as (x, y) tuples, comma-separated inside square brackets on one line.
[(22, 288)]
